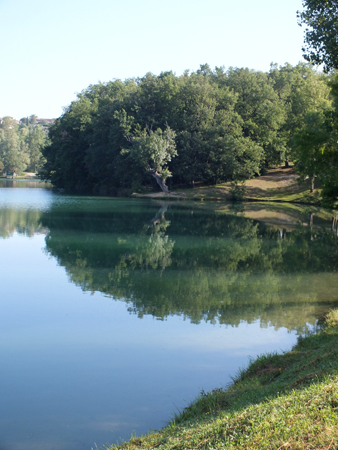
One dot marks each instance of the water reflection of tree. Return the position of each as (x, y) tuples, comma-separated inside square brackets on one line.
[(22, 221), (212, 267), (154, 252)]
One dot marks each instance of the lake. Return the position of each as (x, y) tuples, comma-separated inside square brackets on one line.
[(116, 313)]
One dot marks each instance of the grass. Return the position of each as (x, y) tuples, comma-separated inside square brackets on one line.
[(278, 185), (281, 401)]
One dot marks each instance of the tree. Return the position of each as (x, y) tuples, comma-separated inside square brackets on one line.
[(24, 121), (302, 90), (317, 140), (32, 119), (317, 148), (220, 126), (311, 142), (36, 141), (207, 128), (13, 150), (260, 109), (153, 150), (320, 42), (66, 165)]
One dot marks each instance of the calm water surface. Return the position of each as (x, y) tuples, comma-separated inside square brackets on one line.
[(117, 313)]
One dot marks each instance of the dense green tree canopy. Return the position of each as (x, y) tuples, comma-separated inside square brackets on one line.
[(13, 149), (36, 140), (21, 145), (316, 140), (223, 126), (153, 150), (302, 90), (317, 147)]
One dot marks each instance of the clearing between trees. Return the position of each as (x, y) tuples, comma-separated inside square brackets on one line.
[(278, 185)]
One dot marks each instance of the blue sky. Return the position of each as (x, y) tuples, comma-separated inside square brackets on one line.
[(50, 50)]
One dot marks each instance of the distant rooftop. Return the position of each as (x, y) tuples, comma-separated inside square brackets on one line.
[(44, 120)]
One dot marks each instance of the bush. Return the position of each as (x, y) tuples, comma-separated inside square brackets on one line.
[(238, 190)]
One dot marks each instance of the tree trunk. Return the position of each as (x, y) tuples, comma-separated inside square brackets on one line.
[(160, 181), (312, 184), (287, 162)]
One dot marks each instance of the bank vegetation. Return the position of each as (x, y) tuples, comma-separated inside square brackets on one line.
[(281, 401)]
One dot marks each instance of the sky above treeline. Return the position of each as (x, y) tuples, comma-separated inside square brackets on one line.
[(52, 50)]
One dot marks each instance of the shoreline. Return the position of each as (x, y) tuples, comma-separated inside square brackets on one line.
[(287, 400), (278, 185)]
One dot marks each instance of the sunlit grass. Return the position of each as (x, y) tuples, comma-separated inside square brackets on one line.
[(278, 185)]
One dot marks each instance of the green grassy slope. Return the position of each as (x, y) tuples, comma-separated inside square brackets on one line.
[(287, 401), (279, 185)]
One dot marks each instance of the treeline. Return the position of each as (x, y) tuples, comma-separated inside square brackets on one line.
[(21, 144), (208, 126)]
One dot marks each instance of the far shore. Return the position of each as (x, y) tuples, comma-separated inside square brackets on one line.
[(278, 185)]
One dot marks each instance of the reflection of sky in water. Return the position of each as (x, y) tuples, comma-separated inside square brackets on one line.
[(79, 369), (21, 198)]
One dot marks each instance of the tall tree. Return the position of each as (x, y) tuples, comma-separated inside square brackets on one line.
[(32, 119), (260, 108), (317, 141), (317, 148), (66, 165), (153, 150), (301, 90), (207, 127), (36, 141), (320, 42), (13, 150)]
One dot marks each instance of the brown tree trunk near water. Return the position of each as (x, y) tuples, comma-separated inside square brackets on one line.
[(312, 184), (160, 181)]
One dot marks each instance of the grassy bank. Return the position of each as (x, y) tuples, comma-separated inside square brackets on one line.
[(287, 401), (278, 185)]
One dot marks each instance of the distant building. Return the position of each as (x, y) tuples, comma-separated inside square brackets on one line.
[(8, 174), (39, 120)]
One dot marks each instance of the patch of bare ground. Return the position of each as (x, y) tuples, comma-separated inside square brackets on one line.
[(275, 182), (278, 185)]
